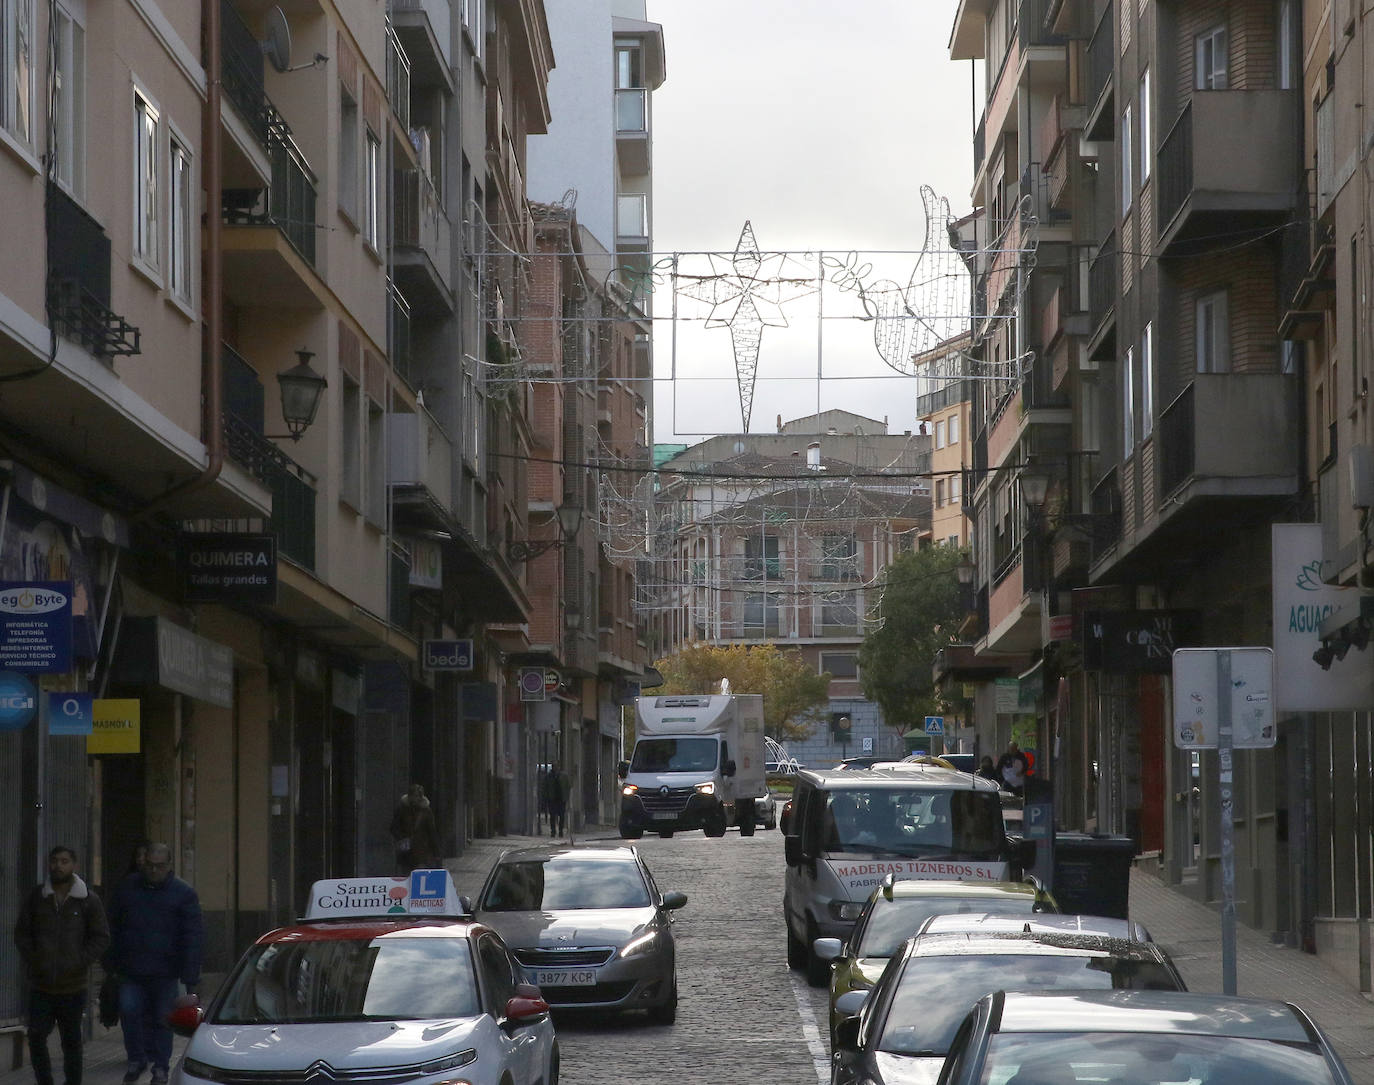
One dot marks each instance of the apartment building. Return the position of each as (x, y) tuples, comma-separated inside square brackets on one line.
[(1208, 459), (780, 539), (943, 412), (258, 448)]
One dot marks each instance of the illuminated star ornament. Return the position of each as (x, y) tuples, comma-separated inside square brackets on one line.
[(746, 300)]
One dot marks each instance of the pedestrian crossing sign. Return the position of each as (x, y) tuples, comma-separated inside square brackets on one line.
[(935, 725)]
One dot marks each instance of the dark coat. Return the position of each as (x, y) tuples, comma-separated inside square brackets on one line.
[(156, 929), (59, 945), (413, 822)]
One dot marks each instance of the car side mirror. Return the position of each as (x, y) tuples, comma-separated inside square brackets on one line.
[(622, 769), (791, 850), (851, 1003), (527, 1006), (186, 1018), (674, 901), (827, 949), (847, 1034), (728, 769)]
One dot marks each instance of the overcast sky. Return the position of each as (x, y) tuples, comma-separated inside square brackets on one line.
[(818, 122)]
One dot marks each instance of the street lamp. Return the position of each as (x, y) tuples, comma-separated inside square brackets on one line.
[(569, 521), (301, 391)]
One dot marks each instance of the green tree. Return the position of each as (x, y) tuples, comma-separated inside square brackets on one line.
[(920, 610), (794, 696)]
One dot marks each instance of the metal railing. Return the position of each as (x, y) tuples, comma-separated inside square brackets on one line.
[(1101, 55), (288, 203), (631, 110), (1030, 27), (243, 76), (1105, 506), (420, 218), (78, 283), (80, 315), (1174, 180), (1102, 276), (292, 486), (1177, 448), (398, 324), (397, 77)]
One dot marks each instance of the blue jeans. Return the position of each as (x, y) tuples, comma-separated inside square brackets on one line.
[(144, 1003), (64, 1011)]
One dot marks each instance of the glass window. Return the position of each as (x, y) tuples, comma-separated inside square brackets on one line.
[(474, 23), (1213, 334), (353, 979), (954, 429), (1127, 161), (1147, 142), (498, 974), (376, 462), (351, 443), (674, 755), (940, 433), (891, 922), (1288, 44), (563, 883), (915, 823), (372, 193), (182, 242), (1210, 59), (145, 180), (1147, 382), (953, 489), (628, 71), (69, 89), (1128, 402), (939, 492), (17, 75), (348, 154), (840, 664)]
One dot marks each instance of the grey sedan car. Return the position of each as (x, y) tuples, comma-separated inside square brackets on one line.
[(588, 925)]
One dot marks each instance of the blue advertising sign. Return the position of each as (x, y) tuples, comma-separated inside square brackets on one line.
[(71, 713), (18, 701), (447, 655), (36, 626)]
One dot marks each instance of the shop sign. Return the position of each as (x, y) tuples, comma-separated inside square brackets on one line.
[(69, 713), (116, 726), (426, 564), (224, 568), (1136, 641), (195, 666), (446, 655), (36, 626), (18, 701)]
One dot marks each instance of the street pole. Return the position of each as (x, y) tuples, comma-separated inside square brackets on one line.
[(1228, 845)]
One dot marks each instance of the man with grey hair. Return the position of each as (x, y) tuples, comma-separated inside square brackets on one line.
[(157, 939)]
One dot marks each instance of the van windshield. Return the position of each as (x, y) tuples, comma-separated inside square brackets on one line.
[(914, 823), (674, 755)]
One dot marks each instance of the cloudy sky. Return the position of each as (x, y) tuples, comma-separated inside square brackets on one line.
[(818, 123)]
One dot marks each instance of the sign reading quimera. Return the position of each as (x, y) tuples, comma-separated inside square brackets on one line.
[(217, 568)]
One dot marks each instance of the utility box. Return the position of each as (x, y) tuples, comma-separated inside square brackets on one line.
[(1092, 873)]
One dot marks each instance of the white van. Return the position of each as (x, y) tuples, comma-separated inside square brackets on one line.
[(849, 829)]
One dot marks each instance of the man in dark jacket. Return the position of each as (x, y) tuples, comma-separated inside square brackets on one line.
[(61, 932), (157, 939)]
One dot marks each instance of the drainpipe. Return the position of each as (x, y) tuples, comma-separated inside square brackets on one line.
[(212, 270)]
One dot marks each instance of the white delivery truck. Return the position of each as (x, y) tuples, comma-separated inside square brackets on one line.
[(697, 764)]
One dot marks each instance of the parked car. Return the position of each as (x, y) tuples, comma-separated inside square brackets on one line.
[(1040, 922), (386, 979), (766, 811), (1145, 1037), (905, 1026), (589, 926), (898, 909)]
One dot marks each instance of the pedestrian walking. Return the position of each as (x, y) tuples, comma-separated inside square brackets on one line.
[(1013, 766), (60, 933), (415, 832), (556, 798), (157, 939), (987, 770)]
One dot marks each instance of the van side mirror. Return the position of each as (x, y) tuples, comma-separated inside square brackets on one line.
[(791, 850), (728, 769), (622, 769)]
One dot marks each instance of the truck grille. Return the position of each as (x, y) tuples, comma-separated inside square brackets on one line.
[(564, 958), (674, 802)]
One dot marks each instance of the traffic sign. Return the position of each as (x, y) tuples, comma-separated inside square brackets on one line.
[(1197, 710), (935, 725), (532, 684)]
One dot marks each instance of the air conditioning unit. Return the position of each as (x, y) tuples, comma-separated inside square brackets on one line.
[(1362, 476)]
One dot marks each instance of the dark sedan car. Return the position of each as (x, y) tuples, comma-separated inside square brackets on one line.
[(1141, 1037), (908, 1021)]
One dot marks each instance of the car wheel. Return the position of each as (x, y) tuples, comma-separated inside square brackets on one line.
[(630, 832), (771, 823), (665, 1013), (817, 968), (796, 951), (666, 834)]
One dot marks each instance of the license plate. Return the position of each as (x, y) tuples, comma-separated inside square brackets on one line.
[(565, 978), (664, 815)]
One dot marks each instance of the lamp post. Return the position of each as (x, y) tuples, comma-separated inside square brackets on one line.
[(301, 391), (569, 522)]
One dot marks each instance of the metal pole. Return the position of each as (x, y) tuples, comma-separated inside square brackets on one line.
[(1228, 844)]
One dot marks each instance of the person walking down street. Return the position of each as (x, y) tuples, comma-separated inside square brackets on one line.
[(157, 940), (556, 799), (415, 832), (60, 933), (1013, 766), (987, 770)]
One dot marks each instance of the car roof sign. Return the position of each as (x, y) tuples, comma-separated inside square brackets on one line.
[(421, 893)]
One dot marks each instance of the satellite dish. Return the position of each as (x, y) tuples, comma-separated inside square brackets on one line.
[(277, 45)]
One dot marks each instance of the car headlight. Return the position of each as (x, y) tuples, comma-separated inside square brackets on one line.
[(848, 910), (466, 1057), (630, 789), (644, 943), (202, 1070), (708, 788)]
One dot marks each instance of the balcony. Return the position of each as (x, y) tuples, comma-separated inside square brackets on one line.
[(632, 130), (1101, 122), (1227, 165), (79, 281), (423, 28), (423, 241), (292, 486), (1247, 446), (1102, 282), (397, 78), (632, 219), (1036, 187), (398, 335), (420, 470)]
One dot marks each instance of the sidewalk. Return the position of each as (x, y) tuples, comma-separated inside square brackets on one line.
[(1191, 932)]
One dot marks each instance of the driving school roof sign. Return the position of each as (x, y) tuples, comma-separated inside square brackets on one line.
[(420, 893)]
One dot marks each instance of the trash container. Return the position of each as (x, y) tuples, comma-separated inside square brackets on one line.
[(1092, 873)]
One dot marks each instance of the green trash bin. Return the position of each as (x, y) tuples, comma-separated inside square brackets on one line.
[(1092, 873)]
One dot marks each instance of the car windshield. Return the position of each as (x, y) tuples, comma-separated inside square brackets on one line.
[(351, 979), (891, 922), (674, 755), (1067, 1058), (559, 884), (914, 823), (934, 993)]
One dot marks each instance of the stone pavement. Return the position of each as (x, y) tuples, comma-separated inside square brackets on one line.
[(1190, 931)]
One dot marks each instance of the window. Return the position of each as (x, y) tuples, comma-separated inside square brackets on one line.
[(351, 443), (939, 492), (473, 23), (372, 225), (954, 429), (953, 489), (940, 433), (145, 181), (348, 154), (69, 86), (839, 613), (1147, 382), (1357, 310), (840, 664), (1213, 332), (629, 73), (183, 236), (1210, 59), (1128, 402), (1147, 142), (17, 75), (1288, 45), (376, 463), (1127, 154)]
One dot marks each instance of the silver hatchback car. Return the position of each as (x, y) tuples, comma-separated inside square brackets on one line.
[(588, 925)]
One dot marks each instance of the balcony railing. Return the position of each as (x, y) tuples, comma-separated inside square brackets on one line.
[(421, 221), (1101, 56), (241, 60), (1031, 28), (398, 324), (1326, 154), (1105, 506), (1175, 174), (79, 280), (631, 110), (1102, 276), (292, 486), (397, 77), (288, 203)]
